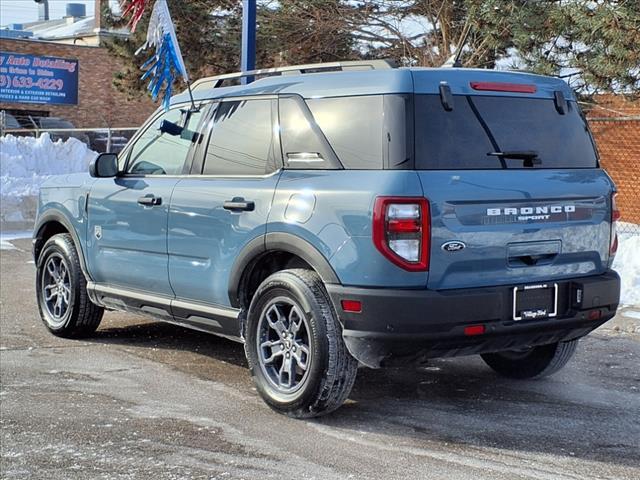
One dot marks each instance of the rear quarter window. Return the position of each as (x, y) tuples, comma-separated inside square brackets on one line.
[(354, 128)]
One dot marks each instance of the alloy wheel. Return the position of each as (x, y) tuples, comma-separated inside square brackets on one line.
[(283, 345), (56, 288)]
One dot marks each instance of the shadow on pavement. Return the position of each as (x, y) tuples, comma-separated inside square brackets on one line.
[(459, 401)]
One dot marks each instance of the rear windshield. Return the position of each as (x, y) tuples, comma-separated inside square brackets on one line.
[(485, 132)]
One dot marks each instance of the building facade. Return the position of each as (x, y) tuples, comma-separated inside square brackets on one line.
[(98, 102)]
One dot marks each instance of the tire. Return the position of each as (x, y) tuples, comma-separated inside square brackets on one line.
[(289, 312), (61, 290), (536, 362)]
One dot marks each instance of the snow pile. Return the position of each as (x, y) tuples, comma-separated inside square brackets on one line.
[(26, 162), (627, 264)]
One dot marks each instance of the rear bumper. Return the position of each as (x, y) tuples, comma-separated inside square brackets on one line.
[(398, 325)]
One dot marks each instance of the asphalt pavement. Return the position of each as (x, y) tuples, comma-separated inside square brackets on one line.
[(147, 400)]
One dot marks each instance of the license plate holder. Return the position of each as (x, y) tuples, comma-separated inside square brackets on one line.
[(534, 302)]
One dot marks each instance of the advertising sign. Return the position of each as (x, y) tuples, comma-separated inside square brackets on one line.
[(38, 79)]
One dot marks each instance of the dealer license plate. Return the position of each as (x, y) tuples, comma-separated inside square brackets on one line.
[(531, 302)]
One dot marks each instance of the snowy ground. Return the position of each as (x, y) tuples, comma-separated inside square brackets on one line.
[(26, 162)]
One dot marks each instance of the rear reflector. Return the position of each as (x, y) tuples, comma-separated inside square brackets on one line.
[(504, 87), (595, 314), (473, 330), (353, 306)]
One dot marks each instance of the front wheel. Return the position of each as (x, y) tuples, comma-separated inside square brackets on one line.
[(535, 362), (61, 290), (298, 360)]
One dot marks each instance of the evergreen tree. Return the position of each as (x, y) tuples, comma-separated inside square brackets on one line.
[(592, 42)]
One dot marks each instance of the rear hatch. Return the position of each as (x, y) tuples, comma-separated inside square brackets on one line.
[(510, 170)]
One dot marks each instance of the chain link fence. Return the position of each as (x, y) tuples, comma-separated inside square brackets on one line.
[(618, 141), (98, 139)]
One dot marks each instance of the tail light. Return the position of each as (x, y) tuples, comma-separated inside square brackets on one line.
[(615, 216), (401, 231)]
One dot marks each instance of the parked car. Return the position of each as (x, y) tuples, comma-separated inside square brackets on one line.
[(115, 144), (10, 121), (370, 215), (54, 126)]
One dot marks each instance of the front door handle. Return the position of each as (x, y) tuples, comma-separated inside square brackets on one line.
[(239, 204), (150, 200)]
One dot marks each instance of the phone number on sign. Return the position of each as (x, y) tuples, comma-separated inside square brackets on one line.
[(29, 82)]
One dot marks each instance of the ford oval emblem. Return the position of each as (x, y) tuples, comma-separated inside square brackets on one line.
[(453, 246)]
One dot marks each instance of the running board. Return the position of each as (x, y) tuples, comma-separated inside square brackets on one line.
[(216, 319)]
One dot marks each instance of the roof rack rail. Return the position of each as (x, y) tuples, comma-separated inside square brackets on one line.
[(217, 81)]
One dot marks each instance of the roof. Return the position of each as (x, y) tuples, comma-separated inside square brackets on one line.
[(386, 81), (60, 28), (68, 27)]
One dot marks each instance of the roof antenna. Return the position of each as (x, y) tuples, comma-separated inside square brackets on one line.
[(454, 60), (193, 104)]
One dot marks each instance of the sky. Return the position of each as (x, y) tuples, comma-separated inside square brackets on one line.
[(23, 11)]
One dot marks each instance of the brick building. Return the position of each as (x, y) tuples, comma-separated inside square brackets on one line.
[(99, 104), (615, 123)]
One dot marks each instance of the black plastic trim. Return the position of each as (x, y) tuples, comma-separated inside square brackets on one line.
[(400, 322), (251, 252), (215, 319), (286, 242), (281, 242), (56, 216)]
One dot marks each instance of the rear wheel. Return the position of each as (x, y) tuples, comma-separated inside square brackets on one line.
[(294, 346), (61, 290), (535, 362)]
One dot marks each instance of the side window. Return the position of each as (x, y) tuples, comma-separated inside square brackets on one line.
[(354, 128), (241, 141), (303, 144), (162, 149)]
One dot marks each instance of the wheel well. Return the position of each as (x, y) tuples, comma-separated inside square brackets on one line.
[(265, 265), (47, 231)]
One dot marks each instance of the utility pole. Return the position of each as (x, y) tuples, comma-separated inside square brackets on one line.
[(248, 59)]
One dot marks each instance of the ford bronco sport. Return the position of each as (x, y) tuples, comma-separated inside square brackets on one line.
[(336, 214)]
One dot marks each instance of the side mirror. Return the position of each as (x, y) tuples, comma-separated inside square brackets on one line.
[(170, 128), (104, 165)]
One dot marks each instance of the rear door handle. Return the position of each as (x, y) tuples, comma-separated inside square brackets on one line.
[(150, 200), (239, 204)]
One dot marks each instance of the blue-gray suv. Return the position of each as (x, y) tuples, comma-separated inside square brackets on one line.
[(341, 214)]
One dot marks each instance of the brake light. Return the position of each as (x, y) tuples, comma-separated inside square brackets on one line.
[(504, 87), (401, 231), (615, 216)]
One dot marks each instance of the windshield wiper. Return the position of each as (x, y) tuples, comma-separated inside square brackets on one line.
[(529, 157)]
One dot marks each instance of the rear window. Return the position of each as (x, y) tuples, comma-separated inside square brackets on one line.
[(486, 132)]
